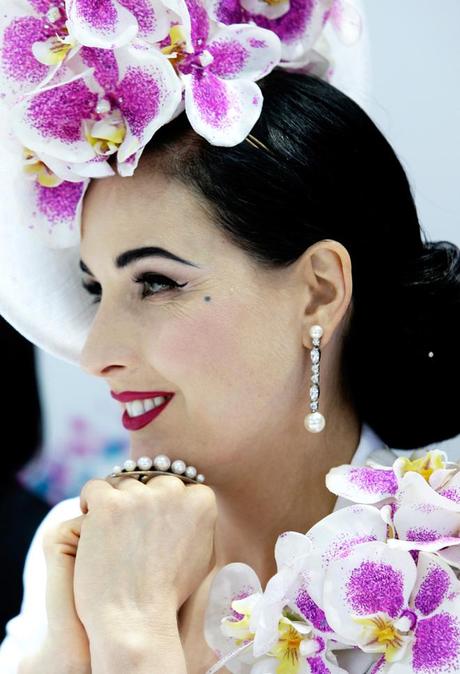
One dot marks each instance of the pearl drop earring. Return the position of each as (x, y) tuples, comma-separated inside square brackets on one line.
[(315, 421)]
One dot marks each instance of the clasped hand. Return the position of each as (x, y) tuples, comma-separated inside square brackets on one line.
[(132, 559)]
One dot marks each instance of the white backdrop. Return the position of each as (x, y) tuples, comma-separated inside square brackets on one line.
[(415, 100)]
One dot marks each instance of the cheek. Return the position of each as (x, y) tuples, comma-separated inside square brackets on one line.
[(225, 358)]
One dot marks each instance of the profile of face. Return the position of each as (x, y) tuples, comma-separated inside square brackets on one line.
[(223, 334)]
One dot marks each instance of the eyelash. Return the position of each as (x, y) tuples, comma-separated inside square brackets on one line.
[(94, 288)]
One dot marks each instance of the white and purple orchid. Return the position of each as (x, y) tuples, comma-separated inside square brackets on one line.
[(351, 582), (85, 79), (418, 496), (379, 599)]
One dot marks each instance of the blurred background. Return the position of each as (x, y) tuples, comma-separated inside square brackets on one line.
[(65, 427)]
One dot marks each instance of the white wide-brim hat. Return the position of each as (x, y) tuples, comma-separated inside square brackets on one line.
[(41, 293)]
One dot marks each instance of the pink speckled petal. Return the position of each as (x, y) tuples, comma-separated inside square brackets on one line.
[(152, 18), (372, 579), (426, 524), (222, 111), (233, 581), (362, 484), (436, 647), (101, 23), (53, 213), (199, 22), (434, 585), (20, 71), (51, 121), (150, 92), (299, 28), (246, 52), (336, 536)]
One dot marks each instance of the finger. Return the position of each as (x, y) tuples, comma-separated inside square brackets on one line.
[(166, 481), (90, 492)]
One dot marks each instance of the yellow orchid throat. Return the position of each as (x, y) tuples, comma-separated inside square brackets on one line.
[(424, 466), (175, 51), (34, 166), (287, 650), (106, 135), (383, 634)]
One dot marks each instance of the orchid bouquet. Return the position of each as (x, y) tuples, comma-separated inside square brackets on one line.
[(379, 577), (87, 79)]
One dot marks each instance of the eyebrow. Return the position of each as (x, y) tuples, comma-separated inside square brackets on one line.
[(130, 256)]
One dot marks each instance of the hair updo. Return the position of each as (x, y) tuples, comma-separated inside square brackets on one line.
[(331, 174)]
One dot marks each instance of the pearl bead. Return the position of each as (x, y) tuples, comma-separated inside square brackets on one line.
[(117, 469), (200, 477), (145, 462), (314, 422), (162, 462), (129, 464), (178, 466), (191, 471), (316, 331)]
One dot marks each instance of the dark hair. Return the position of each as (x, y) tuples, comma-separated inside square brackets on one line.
[(330, 174)]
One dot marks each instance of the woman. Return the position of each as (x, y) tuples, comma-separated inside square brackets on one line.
[(314, 225)]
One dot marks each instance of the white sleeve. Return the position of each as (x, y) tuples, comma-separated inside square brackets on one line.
[(25, 632)]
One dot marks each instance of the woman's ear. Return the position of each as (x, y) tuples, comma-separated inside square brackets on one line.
[(326, 271)]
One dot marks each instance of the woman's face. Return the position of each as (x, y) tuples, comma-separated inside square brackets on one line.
[(227, 343)]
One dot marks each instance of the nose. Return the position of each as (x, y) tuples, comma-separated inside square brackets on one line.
[(110, 344)]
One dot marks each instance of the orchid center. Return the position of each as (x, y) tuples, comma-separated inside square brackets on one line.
[(424, 466), (176, 50), (36, 168), (295, 640), (386, 635), (107, 134)]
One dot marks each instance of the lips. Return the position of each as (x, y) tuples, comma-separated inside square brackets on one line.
[(127, 396), (135, 423)]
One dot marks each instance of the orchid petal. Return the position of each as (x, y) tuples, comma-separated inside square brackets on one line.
[(414, 489), (149, 93), (232, 582), (289, 546), (362, 484), (152, 18), (299, 28), (426, 523), (435, 583), (199, 23), (451, 488), (20, 71), (101, 23), (51, 121), (265, 666), (242, 51), (336, 536), (222, 111), (346, 21), (436, 647), (372, 579), (53, 213), (451, 556)]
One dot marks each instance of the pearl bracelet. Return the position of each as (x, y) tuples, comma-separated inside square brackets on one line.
[(141, 469)]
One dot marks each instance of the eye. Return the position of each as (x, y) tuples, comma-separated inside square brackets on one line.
[(147, 280)]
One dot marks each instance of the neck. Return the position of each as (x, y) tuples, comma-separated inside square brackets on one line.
[(286, 492)]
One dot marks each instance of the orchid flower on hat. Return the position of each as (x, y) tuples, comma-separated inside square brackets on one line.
[(87, 79)]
